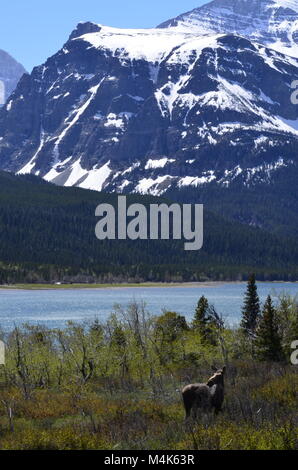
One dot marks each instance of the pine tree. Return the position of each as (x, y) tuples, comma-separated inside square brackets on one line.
[(203, 322), (268, 341), (251, 308), (200, 318)]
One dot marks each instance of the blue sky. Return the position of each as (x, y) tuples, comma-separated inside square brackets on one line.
[(32, 30)]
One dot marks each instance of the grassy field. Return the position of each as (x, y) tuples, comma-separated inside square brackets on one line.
[(80, 286), (118, 386), (123, 285), (260, 412), (109, 286)]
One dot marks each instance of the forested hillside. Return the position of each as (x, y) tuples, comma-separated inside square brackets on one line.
[(47, 234), (272, 206)]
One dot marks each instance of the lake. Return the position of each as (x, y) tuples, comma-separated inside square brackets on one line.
[(54, 308)]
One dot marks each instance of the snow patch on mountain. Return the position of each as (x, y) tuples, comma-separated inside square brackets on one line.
[(291, 4), (197, 181), (270, 22), (152, 45), (96, 178), (158, 163), (155, 187)]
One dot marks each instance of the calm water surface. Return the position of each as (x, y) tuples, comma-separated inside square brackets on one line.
[(54, 308)]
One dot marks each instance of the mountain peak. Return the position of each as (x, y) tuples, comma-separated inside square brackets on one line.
[(290, 4), (85, 28), (10, 73), (270, 22), (150, 110)]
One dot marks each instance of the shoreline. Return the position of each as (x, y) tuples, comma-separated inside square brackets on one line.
[(208, 284)]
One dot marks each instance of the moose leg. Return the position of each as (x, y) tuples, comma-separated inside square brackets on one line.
[(196, 413), (187, 406)]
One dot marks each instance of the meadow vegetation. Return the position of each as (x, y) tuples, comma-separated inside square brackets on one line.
[(118, 385)]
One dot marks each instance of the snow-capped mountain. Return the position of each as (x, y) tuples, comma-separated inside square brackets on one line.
[(148, 110), (273, 23), (10, 73)]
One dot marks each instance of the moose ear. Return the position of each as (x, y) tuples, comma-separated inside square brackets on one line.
[(214, 368), (224, 369)]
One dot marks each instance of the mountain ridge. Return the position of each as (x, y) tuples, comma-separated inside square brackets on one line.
[(147, 111), (117, 89), (273, 23), (10, 73)]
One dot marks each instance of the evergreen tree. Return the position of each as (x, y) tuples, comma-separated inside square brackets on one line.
[(200, 318), (203, 322), (268, 341), (287, 318), (251, 307)]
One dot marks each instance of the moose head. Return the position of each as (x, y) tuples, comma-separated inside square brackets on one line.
[(218, 377)]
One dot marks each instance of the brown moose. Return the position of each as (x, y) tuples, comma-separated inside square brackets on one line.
[(205, 396)]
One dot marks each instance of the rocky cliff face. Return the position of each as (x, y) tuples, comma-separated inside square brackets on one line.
[(148, 110), (10, 73), (270, 22)]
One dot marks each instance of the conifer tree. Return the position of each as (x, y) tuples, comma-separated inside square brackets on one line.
[(268, 341), (200, 318), (251, 307), (203, 322)]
